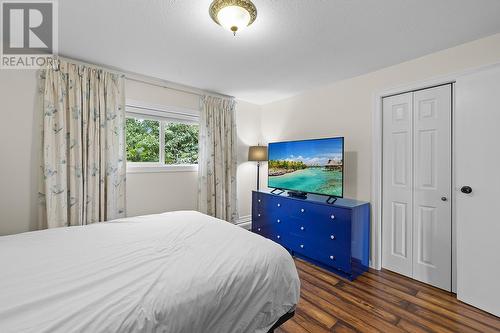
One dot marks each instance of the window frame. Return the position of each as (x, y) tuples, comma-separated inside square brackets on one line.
[(163, 114)]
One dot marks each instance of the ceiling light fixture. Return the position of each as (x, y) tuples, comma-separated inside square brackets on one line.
[(233, 15)]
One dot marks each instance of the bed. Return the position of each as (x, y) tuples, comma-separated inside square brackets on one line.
[(173, 272)]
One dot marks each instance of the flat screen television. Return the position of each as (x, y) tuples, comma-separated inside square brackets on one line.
[(309, 166)]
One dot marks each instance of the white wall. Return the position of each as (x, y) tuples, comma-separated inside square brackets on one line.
[(19, 151), (345, 108), (248, 123)]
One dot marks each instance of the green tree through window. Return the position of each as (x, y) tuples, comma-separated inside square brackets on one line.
[(181, 143), (143, 141)]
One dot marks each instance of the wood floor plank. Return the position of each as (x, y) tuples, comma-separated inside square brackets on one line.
[(399, 311), (317, 313), (449, 313), (311, 325), (318, 272), (379, 301), (462, 309), (349, 298), (342, 327), (390, 283), (454, 325), (291, 326), (339, 313), (388, 297), (364, 315), (411, 327)]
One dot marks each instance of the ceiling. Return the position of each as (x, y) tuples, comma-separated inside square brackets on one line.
[(293, 46)]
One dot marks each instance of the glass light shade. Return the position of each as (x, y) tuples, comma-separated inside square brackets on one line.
[(257, 153), (233, 18)]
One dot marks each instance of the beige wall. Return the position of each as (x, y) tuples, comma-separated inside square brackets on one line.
[(248, 122), (146, 193), (345, 108), (19, 151)]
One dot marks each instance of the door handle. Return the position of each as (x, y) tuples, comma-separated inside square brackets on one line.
[(444, 199), (466, 189)]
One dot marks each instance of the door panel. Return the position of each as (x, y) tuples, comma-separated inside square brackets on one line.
[(432, 186), (397, 184), (477, 157)]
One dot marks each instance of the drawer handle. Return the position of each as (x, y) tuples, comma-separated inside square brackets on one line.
[(279, 205), (333, 237), (302, 210), (302, 228), (258, 215), (258, 229), (278, 236), (259, 200), (332, 257), (301, 246), (332, 217), (278, 221)]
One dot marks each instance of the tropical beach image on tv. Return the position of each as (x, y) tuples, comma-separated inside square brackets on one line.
[(312, 166)]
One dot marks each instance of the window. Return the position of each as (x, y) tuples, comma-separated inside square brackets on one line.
[(161, 139)]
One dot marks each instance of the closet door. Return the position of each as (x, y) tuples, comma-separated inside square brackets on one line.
[(432, 186), (397, 253), (416, 212)]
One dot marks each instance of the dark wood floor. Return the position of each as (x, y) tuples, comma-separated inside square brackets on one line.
[(380, 301)]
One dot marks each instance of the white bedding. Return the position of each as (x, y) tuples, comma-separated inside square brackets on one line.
[(172, 272)]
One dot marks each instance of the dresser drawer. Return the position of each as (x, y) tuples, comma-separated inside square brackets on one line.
[(318, 229), (339, 260), (331, 254)]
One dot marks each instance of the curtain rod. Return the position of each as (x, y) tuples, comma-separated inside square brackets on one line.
[(141, 78)]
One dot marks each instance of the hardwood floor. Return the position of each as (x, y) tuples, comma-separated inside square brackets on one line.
[(379, 301)]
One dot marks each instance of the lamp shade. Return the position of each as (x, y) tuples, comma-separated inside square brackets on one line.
[(257, 153)]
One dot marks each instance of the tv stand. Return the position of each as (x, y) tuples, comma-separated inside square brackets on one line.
[(297, 194), (277, 189), (331, 200)]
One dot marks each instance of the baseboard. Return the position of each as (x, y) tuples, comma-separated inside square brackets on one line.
[(245, 222)]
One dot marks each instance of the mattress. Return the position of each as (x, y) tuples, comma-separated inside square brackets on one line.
[(173, 272)]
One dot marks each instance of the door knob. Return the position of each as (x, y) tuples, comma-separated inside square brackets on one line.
[(466, 189), (444, 199)]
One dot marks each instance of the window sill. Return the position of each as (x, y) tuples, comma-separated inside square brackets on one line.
[(156, 168)]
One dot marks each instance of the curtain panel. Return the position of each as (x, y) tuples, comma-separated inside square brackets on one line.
[(83, 169), (217, 159)]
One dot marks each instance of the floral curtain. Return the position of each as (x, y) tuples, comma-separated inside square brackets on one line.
[(218, 159), (83, 140)]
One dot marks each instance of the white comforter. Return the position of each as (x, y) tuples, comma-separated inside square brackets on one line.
[(172, 272)]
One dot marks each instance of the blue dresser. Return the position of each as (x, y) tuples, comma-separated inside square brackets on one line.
[(335, 237)]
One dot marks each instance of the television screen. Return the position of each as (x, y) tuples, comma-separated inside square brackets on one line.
[(312, 166)]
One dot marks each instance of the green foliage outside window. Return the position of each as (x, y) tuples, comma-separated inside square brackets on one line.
[(143, 140), (181, 143)]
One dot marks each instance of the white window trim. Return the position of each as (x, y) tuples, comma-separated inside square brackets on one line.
[(134, 108)]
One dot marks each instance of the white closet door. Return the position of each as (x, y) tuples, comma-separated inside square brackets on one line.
[(477, 161), (432, 186), (397, 254)]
